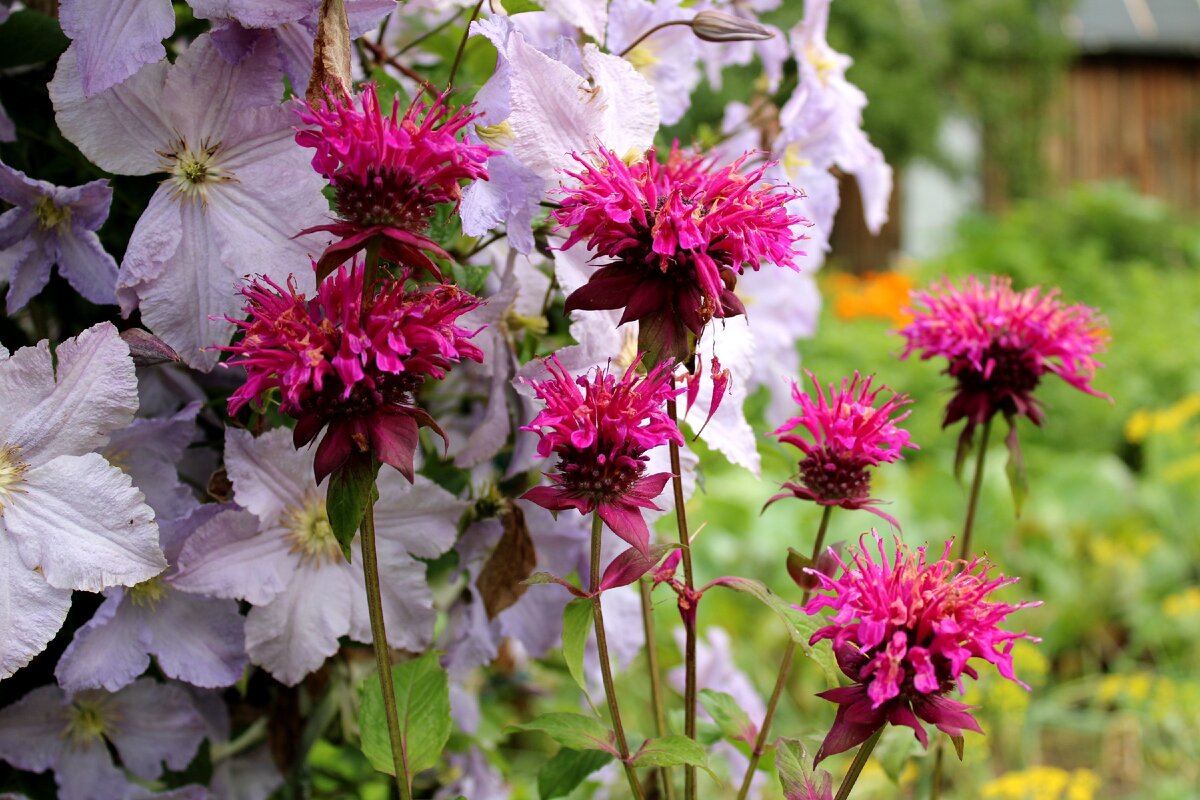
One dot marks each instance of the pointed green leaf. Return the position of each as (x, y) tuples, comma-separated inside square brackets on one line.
[(798, 780), (350, 488), (672, 751), (732, 718), (569, 768), (423, 708), (1018, 478), (960, 744), (577, 621), (574, 731)]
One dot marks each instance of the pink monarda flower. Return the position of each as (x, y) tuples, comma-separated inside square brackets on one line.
[(389, 174), (904, 632), (678, 234), (601, 427), (1000, 343), (849, 435), (349, 364)]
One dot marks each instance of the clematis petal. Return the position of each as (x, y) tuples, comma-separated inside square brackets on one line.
[(153, 244), (227, 557), (149, 450), (31, 610), (254, 13), (89, 540), (268, 473), (114, 40), (154, 723), (120, 129), (31, 728), (420, 518), (732, 342), (198, 640), (108, 652), (407, 599), (69, 410), (29, 272), (87, 771), (293, 634), (87, 266)]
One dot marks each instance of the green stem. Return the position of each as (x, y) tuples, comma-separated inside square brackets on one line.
[(785, 666), (651, 32), (463, 45), (976, 484), (383, 654), (605, 667), (935, 786), (689, 648), (656, 693), (856, 768)]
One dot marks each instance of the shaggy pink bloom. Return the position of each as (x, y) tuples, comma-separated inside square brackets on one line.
[(601, 427), (389, 174), (1000, 343), (352, 366), (904, 632), (678, 234), (848, 435)]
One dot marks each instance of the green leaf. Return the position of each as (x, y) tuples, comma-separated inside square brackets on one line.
[(568, 769), (423, 708), (798, 780), (389, 90), (730, 716), (800, 626), (574, 731), (30, 37), (1018, 478), (521, 6), (577, 621), (350, 488), (672, 751)]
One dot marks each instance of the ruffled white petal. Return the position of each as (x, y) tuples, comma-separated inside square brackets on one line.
[(31, 610), (268, 473), (84, 525), (115, 40), (228, 557)]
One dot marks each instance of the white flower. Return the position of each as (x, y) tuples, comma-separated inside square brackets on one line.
[(281, 557), (68, 518)]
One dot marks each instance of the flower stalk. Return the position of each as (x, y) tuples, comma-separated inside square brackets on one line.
[(785, 667), (689, 687), (383, 655), (856, 768), (976, 485), (610, 693), (656, 693)]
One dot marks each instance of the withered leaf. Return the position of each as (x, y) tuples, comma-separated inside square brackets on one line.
[(331, 53), (500, 581)]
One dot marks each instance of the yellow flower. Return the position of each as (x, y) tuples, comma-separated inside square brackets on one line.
[(1043, 783), (882, 295), (1170, 420)]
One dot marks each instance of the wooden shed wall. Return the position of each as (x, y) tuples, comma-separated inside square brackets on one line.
[(1131, 118)]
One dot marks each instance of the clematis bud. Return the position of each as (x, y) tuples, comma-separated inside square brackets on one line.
[(717, 26)]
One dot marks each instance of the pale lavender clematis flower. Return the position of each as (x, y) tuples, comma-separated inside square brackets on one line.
[(198, 640), (238, 186), (666, 58), (148, 723), (237, 774), (149, 451), (547, 100), (58, 411), (280, 556), (54, 225)]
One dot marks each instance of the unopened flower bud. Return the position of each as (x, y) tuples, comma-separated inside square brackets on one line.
[(717, 26)]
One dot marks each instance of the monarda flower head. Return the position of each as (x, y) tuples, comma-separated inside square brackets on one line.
[(389, 173), (904, 631), (350, 363), (677, 233), (601, 428), (1000, 343), (848, 435)]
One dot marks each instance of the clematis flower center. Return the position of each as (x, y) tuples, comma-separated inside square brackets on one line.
[(310, 533), (87, 723), (822, 62), (498, 136), (193, 170), (12, 474), (147, 594), (643, 57), (50, 215)]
